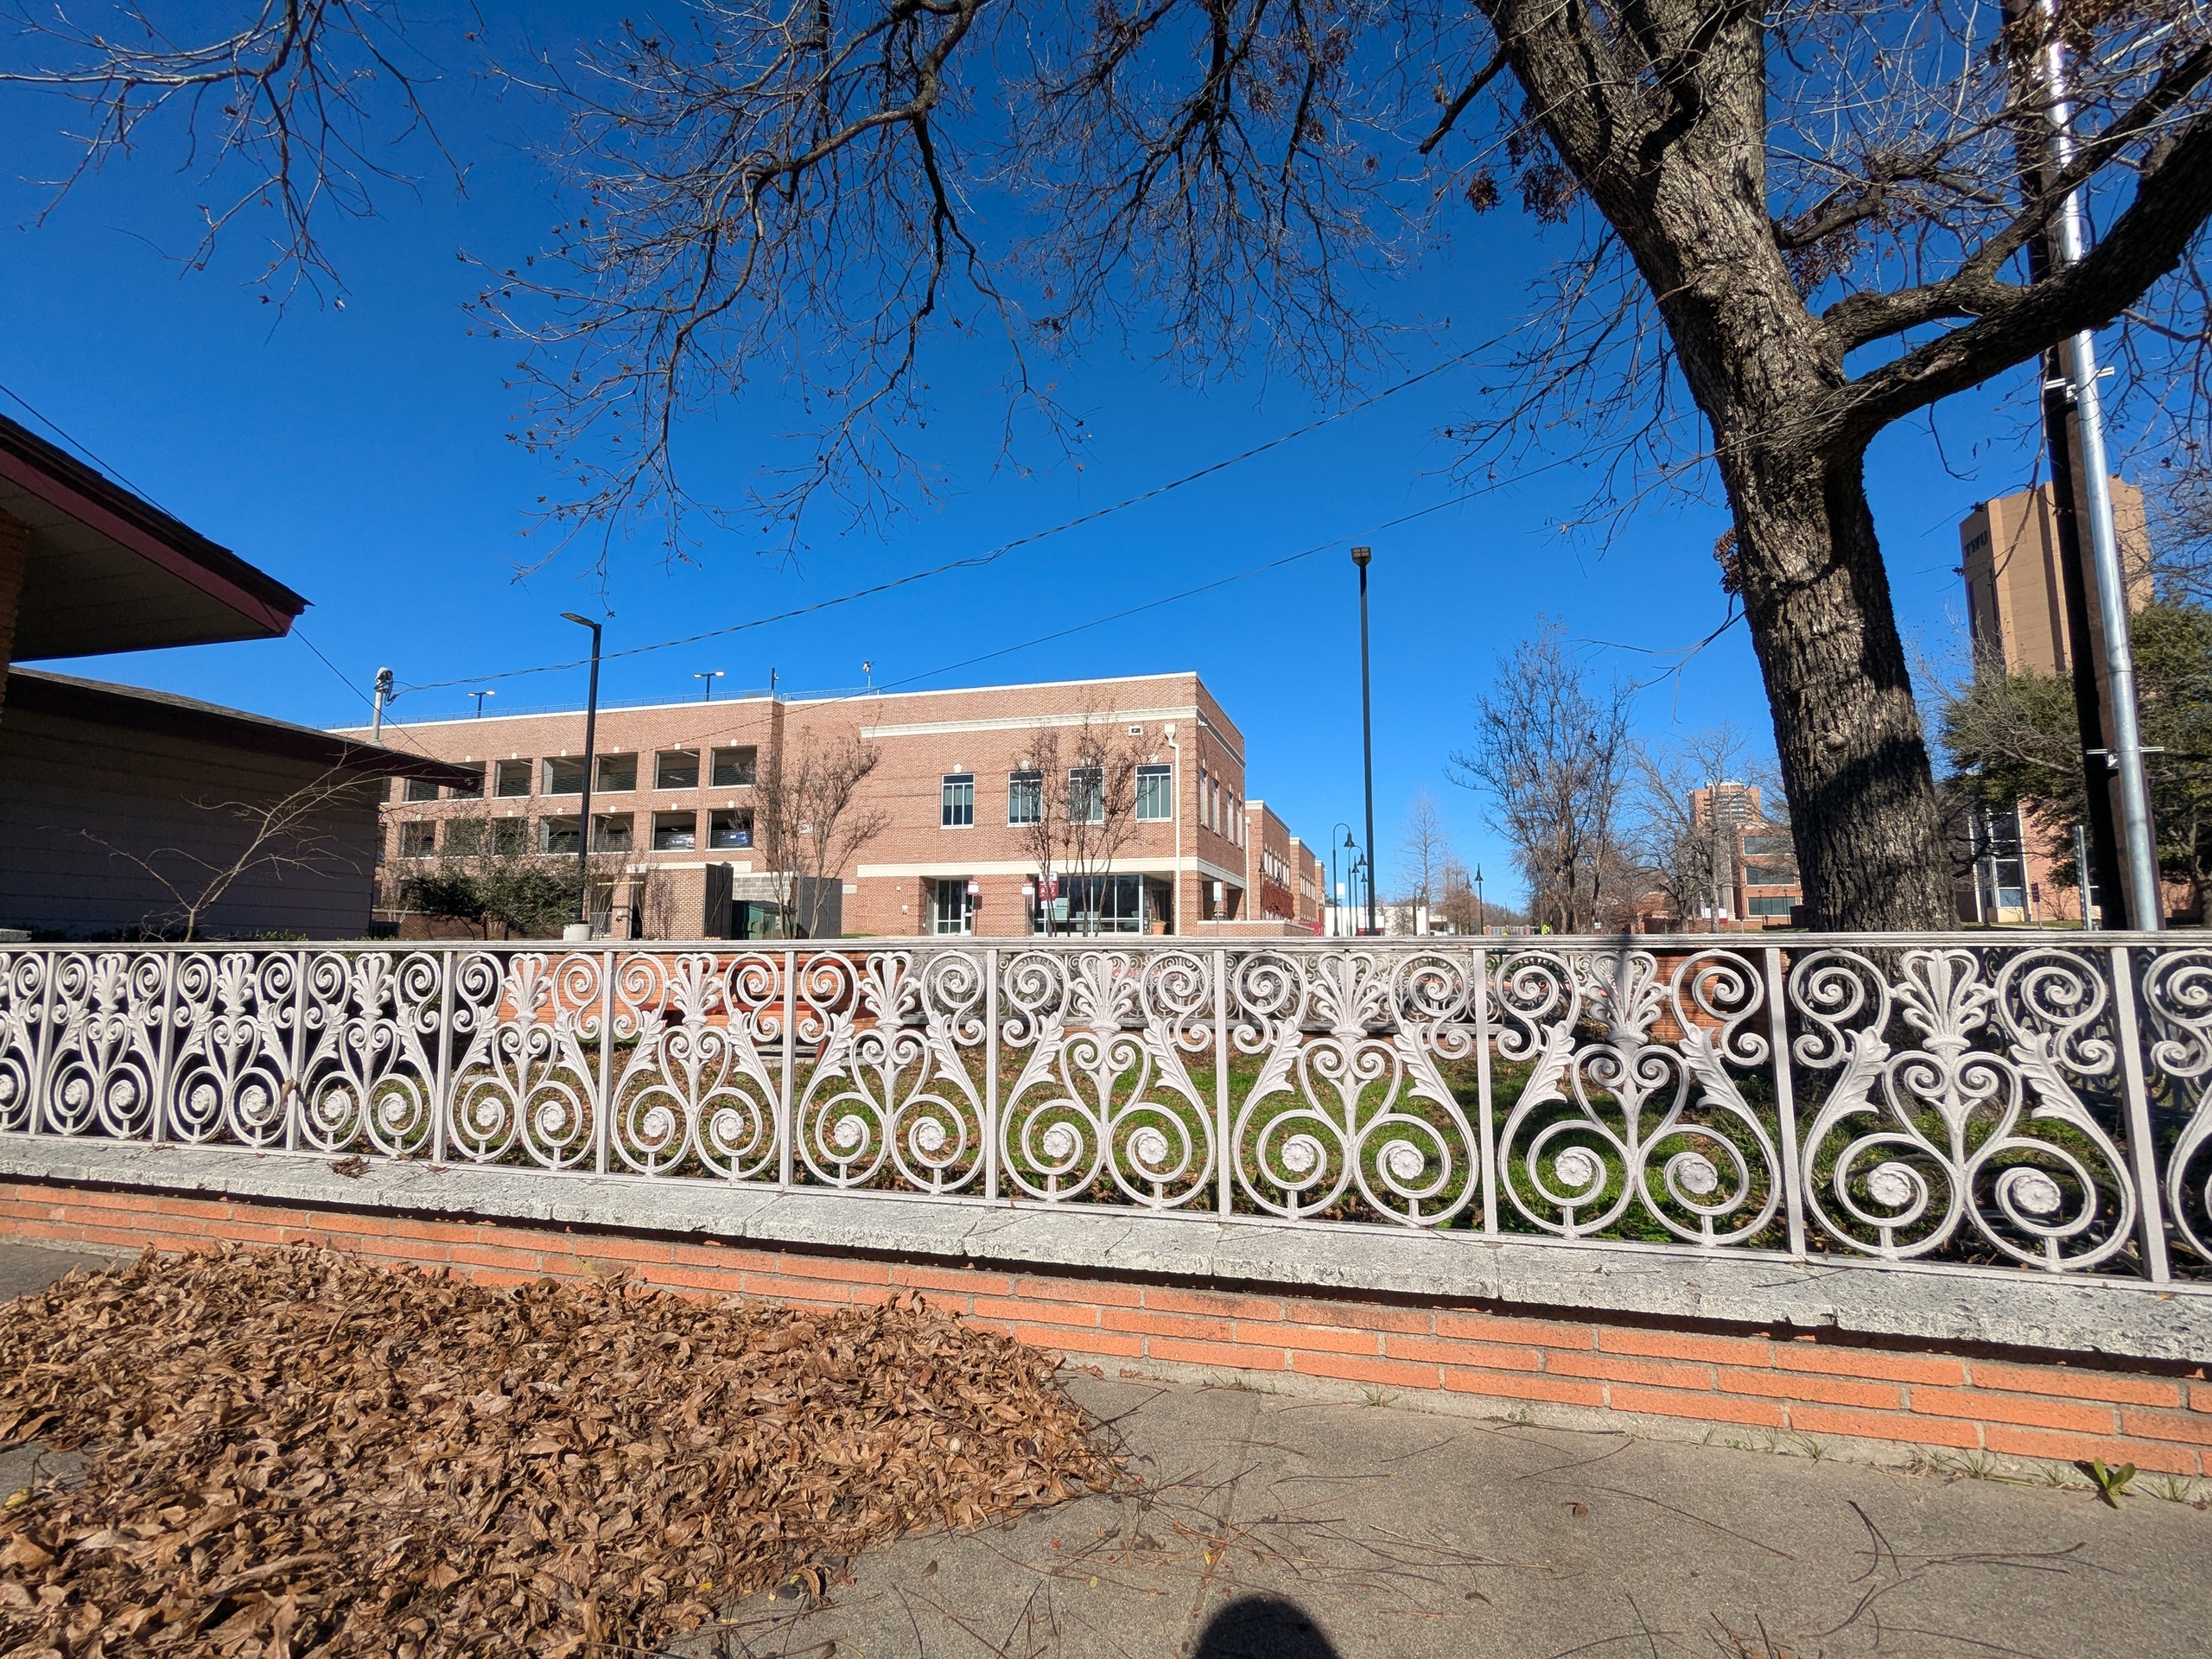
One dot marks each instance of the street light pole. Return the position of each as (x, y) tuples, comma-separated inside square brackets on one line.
[(376, 703), (479, 697), (1482, 916), (584, 821), (1360, 555), (709, 676), (1336, 895)]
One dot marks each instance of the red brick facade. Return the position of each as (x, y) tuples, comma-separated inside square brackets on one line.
[(1950, 1397), (1202, 864)]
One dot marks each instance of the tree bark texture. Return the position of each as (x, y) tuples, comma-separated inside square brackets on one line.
[(1680, 174)]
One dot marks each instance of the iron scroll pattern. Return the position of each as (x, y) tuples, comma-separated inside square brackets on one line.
[(1944, 1099), (2178, 1006)]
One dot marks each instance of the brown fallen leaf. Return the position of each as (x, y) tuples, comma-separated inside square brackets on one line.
[(297, 1453)]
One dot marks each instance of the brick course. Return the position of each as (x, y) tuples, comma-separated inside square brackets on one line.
[(1931, 1395)]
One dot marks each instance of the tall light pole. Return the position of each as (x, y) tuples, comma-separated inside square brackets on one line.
[(583, 820), (479, 697), (375, 705), (1482, 917), (709, 674), (1360, 555)]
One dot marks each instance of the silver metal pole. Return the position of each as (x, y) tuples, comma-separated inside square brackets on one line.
[(375, 705), (2082, 875), (2143, 901)]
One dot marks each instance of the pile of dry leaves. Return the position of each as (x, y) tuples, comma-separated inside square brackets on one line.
[(292, 1452)]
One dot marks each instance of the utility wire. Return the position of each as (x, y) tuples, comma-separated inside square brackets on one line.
[(55, 427), (977, 559), (1207, 588)]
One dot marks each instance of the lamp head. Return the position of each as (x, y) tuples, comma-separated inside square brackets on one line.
[(1360, 555), (580, 622), (1349, 842)]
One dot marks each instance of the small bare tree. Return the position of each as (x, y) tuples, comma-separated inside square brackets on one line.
[(1079, 800), (292, 835), (1686, 853), (811, 821), (1552, 755), (1425, 858)]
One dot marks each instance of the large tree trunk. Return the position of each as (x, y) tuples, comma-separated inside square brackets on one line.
[(1853, 759), (1680, 177)]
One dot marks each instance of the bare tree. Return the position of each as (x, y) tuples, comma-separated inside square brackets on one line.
[(291, 836), (1552, 755), (1687, 851), (808, 813), (1789, 229), (1078, 802), (1424, 853)]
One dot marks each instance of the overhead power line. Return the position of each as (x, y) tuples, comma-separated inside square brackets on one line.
[(976, 561)]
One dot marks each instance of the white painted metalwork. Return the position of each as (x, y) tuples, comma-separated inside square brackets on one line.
[(2011, 1102)]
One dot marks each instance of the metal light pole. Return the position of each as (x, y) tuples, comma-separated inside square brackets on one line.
[(1482, 917), (375, 705), (2141, 900), (709, 676), (479, 697), (1360, 555), (1336, 895), (583, 822)]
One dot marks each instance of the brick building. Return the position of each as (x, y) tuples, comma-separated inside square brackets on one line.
[(958, 781), (2016, 614)]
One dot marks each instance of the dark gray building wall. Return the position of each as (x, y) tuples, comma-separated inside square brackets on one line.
[(163, 797)]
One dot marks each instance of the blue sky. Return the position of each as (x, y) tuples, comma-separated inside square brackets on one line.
[(359, 454)]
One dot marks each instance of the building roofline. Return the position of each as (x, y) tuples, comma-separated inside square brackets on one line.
[(863, 695), (144, 710), (96, 500)]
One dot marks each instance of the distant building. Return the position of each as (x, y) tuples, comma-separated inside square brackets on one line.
[(2015, 614), (675, 786), (2016, 598), (1758, 885)]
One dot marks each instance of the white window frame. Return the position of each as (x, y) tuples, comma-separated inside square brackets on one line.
[(956, 801), (1162, 778)]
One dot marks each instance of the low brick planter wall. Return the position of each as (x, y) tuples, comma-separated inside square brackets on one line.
[(1556, 1365)]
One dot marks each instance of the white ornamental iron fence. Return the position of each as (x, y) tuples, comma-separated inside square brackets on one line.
[(2018, 1102)]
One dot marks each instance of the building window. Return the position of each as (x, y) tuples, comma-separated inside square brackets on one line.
[(733, 768), (1775, 904), (1155, 794), (729, 830), (675, 832), (679, 769), (464, 837), (419, 840), (513, 778), (565, 776), (557, 835), (421, 789), (954, 912), (1025, 798), (1086, 794), (618, 773), (611, 832), (1205, 798), (958, 802), (470, 792), (510, 836)]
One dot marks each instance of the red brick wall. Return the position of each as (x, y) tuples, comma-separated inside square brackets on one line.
[(1948, 1396)]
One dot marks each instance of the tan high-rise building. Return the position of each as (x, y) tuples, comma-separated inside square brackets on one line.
[(2016, 613), (2016, 602)]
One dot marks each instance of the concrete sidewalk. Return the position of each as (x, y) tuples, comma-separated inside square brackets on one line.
[(1295, 1529), (1279, 1527)]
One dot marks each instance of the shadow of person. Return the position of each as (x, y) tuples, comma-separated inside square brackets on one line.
[(1262, 1627)]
